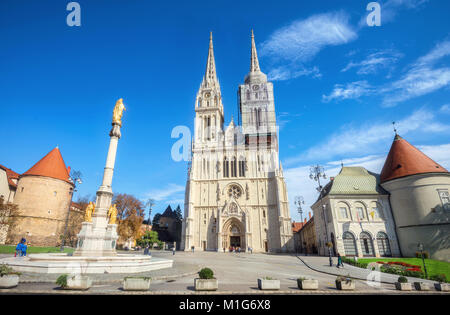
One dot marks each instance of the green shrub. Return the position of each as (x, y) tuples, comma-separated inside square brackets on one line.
[(268, 278), (62, 281), (439, 278), (206, 273), (6, 270), (402, 279)]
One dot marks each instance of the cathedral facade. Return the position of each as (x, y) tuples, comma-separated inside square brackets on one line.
[(235, 192)]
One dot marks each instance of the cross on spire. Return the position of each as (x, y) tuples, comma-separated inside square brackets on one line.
[(395, 129)]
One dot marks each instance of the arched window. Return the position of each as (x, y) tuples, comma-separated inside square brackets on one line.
[(225, 167), (233, 167), (366, 244), (242, 166), (343, 211), (349, 244), (360, 212), (383, 244)]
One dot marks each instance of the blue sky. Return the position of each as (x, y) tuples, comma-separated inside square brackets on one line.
[(338, 83)]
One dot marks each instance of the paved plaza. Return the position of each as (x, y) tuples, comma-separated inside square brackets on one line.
[(237, 274)]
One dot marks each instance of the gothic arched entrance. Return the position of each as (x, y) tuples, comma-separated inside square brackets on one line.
[(233, 234)]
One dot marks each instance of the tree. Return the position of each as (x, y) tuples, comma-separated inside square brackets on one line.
[(178, 213), (156, 219), (8, 219), (149, 238), (130, 214)]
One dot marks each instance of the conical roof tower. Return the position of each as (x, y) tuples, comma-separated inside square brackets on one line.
[(404, 159), (52, 165)]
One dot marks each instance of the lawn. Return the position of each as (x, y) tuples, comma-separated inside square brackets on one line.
[(11, 249), (434, 267)]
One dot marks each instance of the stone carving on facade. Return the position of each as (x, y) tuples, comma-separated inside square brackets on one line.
[(247, 193), (234, 191)]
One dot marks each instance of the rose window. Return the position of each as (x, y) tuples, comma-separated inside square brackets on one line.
[(234, 191)]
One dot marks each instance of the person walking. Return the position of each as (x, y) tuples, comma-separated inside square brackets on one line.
[(339, 258), (173, 250)]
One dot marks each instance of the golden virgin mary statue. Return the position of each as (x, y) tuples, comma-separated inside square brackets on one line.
[(117, 112)]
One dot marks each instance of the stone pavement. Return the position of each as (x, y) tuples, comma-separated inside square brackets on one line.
[(237, 274), (322, 264)]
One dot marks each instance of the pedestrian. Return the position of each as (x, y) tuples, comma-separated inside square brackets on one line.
[(339, 264), (192, 248), (239, 250), (173, 250), (21, 248)]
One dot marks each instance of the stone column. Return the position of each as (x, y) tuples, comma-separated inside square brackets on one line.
[(99, 238)]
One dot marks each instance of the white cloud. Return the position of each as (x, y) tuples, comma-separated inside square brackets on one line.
[(368, 138), (421, 78), (302, 40), (282, 73), (163, 194), (352, 90), (374, 62), (445, 109)]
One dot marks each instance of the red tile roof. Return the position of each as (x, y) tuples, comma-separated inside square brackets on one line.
[(404, 160), (10, 174), (297, 226), (52, 165)]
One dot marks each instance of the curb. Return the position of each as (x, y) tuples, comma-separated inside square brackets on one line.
[(252, 292), (116, 280), (335, 274)]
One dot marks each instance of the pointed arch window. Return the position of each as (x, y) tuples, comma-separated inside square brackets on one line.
[(233, 167), (226, 167), (241, 166)]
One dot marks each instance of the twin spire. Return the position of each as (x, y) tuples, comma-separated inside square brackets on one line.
[(254, 63), (210, 78)]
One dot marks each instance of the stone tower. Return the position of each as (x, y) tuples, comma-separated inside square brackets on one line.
[(420, 201), (43, 195), (235, 192)]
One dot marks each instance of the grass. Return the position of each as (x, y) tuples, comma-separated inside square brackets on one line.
[(11, 249), (434, 267)]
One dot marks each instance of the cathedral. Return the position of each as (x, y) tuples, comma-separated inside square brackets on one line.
[(235, 192)]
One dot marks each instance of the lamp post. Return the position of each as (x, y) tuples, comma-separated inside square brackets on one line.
[(299, 201), (420, 247), (317, 172), (76, 178)]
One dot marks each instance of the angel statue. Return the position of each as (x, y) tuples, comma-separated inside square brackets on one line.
[(89, 211), (112, 214), (117, 112)]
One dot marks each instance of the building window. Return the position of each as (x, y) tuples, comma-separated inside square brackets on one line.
[(226, 167), (242, 166), (445, 198), (233, 167), (343, 212), (383, 244), (360, 213), (366, 244)]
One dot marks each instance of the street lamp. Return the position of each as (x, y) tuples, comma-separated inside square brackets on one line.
[(316, 173), (420, 247), (299, 201), (75, 177)]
